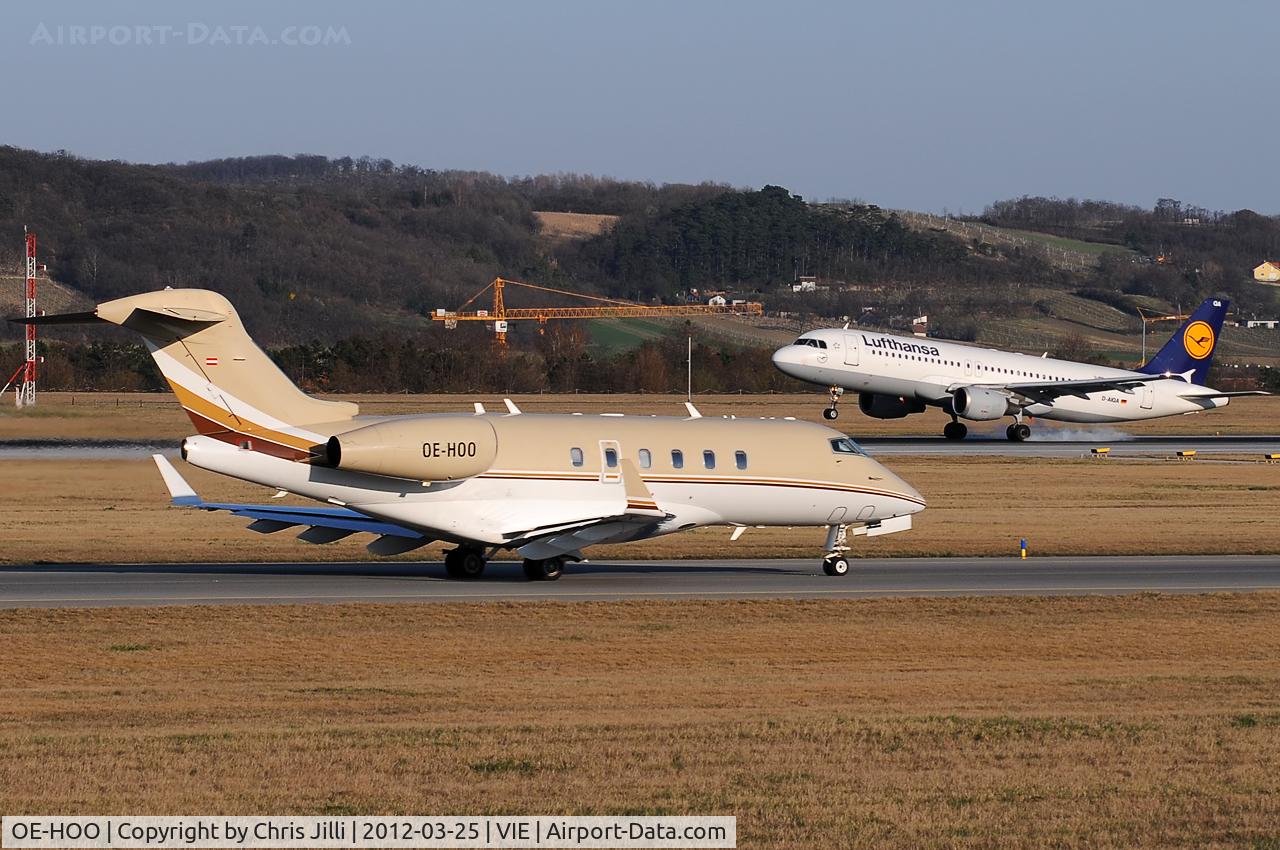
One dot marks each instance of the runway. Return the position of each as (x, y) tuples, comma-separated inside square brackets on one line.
[(127, 585), (1080, 444)]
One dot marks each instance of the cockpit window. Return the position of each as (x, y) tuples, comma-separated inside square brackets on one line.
[(811, 342), (846, 446)]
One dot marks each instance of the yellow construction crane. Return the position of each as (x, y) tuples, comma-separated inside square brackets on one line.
[(500, 315)]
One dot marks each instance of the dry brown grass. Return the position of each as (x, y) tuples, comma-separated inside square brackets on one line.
[(1139, 721), (118, 511), (156, 416), (565, 225)]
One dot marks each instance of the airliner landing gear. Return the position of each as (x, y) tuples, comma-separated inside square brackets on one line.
[(831, 412), (1017, 432), (465, 562), (835, 563), (955, 430), (543, 569)]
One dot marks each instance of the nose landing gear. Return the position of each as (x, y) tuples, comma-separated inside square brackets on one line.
[(836, 563), (831, 412)]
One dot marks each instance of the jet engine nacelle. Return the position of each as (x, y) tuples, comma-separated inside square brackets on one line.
[(980, 404), (433, 448), (888, 406)]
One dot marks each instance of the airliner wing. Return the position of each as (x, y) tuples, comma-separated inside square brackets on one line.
[(319, 525), (1044, 392)]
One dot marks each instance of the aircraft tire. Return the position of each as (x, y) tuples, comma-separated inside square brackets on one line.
[(830, 413), (835, 565), (464, 563), (471, 564), (1018, 431), (955, 430), (543, 569)]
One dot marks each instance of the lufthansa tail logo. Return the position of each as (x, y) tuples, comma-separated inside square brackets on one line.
[(1198, 340)]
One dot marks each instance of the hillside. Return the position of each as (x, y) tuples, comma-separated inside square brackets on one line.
[(335, 264)]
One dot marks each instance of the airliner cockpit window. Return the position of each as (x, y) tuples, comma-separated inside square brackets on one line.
[(846, 446), (811, 342)]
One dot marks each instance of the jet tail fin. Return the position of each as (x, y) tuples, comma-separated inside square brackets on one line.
[(1191, 348), (225, 382)]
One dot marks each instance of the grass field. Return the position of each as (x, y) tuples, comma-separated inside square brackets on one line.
[(1066, 244), (1115, 722), (565, 225), (614, 335)]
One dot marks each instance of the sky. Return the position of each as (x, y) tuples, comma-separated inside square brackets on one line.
[(939, 106)]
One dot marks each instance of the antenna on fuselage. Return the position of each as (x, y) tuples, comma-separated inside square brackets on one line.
[(693, 411), (511, 407), (479, 408)]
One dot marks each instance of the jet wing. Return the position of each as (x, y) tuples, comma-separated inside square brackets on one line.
[(637, 511), (319, 525), (1044, 392)]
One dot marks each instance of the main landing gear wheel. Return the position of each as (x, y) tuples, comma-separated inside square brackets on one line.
[(543, 569), (955, 430), (1018, 432), (464, 563), (835, 565)]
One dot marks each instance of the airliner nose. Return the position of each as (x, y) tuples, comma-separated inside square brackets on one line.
[(787, 358)]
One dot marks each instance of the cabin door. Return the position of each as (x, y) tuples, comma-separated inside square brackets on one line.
[(850, 350), (1148, 398), (610, 462)]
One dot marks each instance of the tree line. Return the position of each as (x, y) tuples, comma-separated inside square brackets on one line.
[(392, 362)]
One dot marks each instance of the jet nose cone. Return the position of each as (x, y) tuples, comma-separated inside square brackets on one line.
[(913, 496), (912, 501), (786, 358)]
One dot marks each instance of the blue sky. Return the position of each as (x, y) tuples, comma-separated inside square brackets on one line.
[(916, 105)]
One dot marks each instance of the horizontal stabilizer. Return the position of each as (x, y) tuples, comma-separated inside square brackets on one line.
[(59, 319), (1235, 394)]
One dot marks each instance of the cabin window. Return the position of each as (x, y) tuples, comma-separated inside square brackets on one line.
[(740, 459), (709, 459), (845, 446), (677, 459), (646, 459), (575, 456), (611, 458)]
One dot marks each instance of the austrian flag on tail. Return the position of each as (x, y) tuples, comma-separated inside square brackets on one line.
[(211, 361)]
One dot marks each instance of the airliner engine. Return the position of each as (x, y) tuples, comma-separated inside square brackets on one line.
[(981, 404), (442, 448), (888, 406)]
